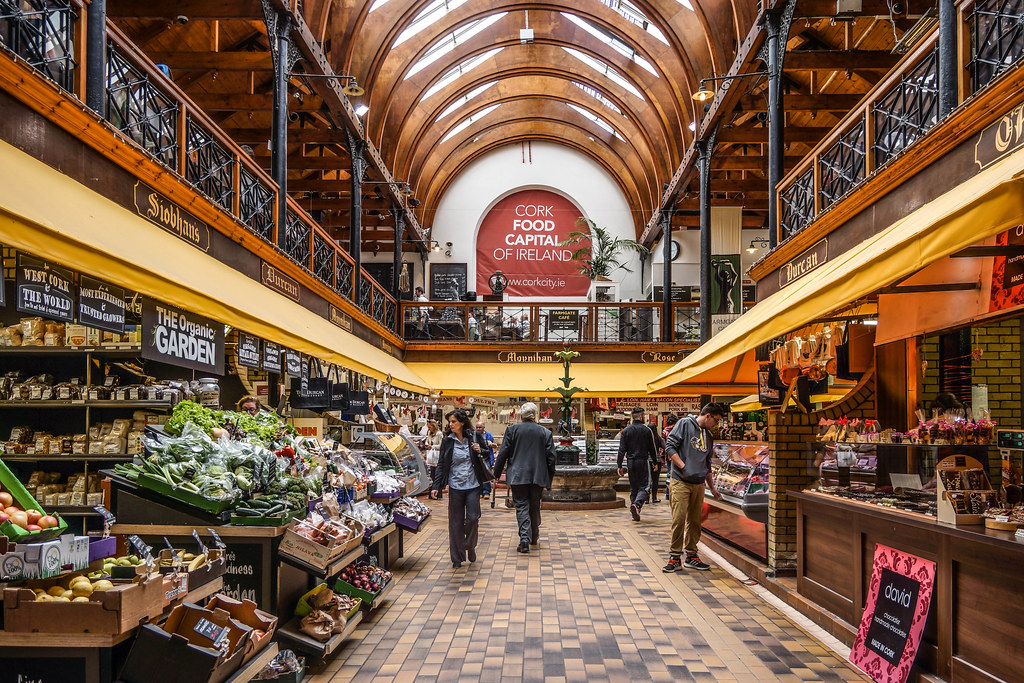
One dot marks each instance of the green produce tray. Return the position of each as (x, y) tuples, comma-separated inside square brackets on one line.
[(25, 500), (148, 481), (366, 596), (280, 520), (303, 608)]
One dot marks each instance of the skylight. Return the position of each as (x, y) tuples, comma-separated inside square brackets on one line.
[(596, 119), (449, 41), (465, 123), (608, 71), (428, 16), (597, 95), (635, 16), (459, 70), (464, 99), (611, 39), (377, 4)]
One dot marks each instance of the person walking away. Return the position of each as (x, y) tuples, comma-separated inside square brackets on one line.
[(689, 448), (659, 462), (488, 438), (432, 442), (670, 421), (528, 450), (636, 444), (461, 467)]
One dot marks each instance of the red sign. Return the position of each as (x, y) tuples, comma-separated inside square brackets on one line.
[(894, 616), (521, 236), (1008, 273)]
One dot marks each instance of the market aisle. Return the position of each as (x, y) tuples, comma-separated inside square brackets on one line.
[(589, 604)]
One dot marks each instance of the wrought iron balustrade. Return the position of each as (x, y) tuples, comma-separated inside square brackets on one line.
[(842, 166), (343, 276), (323, 259), (296, 239), (140, 109), (908, 110), (256, 205), (996, 39), (208, 165), (797, 204), (42, 33)]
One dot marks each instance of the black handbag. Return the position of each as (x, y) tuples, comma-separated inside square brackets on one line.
[(483, 470), (313, 392), (843, 359)]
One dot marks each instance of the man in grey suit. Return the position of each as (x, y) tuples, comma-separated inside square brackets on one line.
[(529, 451)]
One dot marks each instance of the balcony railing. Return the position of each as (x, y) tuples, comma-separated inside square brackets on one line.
[(150, 111), (547, 322), (897, 112)]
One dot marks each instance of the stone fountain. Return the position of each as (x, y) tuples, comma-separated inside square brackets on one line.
[(576, 485)]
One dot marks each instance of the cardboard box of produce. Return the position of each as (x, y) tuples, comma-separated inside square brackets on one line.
[(175, 587), (116, 610), (186, 648), (24, 500), (262, 623), (316, 554)]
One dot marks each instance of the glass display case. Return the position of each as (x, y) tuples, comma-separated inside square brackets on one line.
[(394, 451), (740, 474)]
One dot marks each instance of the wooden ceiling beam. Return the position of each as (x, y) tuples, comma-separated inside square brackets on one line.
[(746, 162), (750, 220), (192, 9), (214, 61), (869, 8), (317, 136), (835, 103), (839, 60), (250, 102), (760, 135)]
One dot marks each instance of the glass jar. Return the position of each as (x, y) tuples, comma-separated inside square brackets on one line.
[(208, 394)]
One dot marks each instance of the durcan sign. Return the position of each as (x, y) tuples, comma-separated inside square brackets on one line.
[(171, 335), (521, 236)]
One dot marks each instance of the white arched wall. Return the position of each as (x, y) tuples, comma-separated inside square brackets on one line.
[(537, 165)]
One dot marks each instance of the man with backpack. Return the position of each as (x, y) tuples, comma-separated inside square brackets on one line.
[(688, 449)]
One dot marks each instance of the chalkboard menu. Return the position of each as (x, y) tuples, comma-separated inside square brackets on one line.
[(447, 281)]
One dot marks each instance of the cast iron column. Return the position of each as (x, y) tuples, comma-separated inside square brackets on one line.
[(96, 57), (947, 58), (704, 149), (398, 211), (667, 319), (283, 55), (777, 25), (356, 147)]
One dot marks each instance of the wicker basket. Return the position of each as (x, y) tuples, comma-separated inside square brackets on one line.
[(385, 427)]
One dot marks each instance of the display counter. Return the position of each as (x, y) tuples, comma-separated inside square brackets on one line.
[(973, 628), (740, 473)]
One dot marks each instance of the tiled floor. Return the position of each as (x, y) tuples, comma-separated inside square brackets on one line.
[(589, 604)]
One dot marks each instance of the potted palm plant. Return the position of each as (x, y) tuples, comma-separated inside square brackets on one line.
[(597, 251)]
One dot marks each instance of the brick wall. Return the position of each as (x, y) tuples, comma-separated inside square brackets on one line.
[(999, 368), (788, 437), (929, 353)]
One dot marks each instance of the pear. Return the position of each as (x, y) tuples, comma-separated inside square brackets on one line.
[(80, 599), (102, 585), (54, 591)]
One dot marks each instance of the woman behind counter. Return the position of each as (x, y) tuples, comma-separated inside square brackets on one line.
[(461, 467)]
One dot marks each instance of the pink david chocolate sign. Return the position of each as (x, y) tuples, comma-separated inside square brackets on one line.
[(894, 616)]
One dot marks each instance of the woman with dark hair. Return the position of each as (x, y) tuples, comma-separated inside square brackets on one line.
[(462, 468)]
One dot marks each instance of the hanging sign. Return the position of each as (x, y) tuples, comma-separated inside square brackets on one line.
[(248, 351), (100, 305), (279, 282), (808, 260), (45, 288), (890, 630), (564, 320), (159, 210), (522, 237), (1002, 138), (177, 337), (271, 357), (293, 363), (339, 318)]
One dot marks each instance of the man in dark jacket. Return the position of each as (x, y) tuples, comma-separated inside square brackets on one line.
[(689, 449), (636, 442), (529, 451)]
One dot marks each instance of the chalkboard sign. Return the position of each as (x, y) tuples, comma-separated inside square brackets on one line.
[(100, 305), (177, 337), (49, 666), (564, 319), (243, 573), (383, 272), (248, 350), (679, 292), (271, 357), (46, 289), (447, 281)]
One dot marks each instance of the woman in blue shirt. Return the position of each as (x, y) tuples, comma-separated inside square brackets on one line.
[(461, 467)]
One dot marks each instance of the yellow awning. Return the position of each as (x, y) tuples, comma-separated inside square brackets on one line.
[(48, 214), (985, 205), (752, 402), (534, 379)]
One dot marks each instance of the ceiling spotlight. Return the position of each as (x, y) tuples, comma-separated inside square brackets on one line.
[(361, 109)]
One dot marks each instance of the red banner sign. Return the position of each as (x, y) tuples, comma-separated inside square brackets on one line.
[(894, 616), (521, 237)]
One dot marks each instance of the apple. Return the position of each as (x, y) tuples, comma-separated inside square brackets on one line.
[(33, 516), (48, 521), (10, 510), (33, 527), (20, 517), (4, 517), (6, 499)]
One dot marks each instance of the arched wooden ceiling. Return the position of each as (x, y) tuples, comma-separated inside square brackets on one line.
[(220, 57)]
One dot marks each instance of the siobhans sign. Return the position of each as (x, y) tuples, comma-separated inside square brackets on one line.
[(178, 337), (521, 236)]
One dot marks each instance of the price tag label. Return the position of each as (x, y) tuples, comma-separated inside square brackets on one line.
[(208, 630), (1002, 518), (169, 546), (217, 540), (140, 547), (107, 515), (199, 542)]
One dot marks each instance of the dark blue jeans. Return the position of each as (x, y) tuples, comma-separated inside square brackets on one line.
[(463, 521)]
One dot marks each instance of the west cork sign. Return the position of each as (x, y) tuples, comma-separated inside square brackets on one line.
[(45, 289), (248, 351), (279, 282), (100, 305), (171, 335), (1002, 138), (164, 213), (807, 261)]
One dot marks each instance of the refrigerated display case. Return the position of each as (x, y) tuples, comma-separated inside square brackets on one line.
[(740, 474)]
